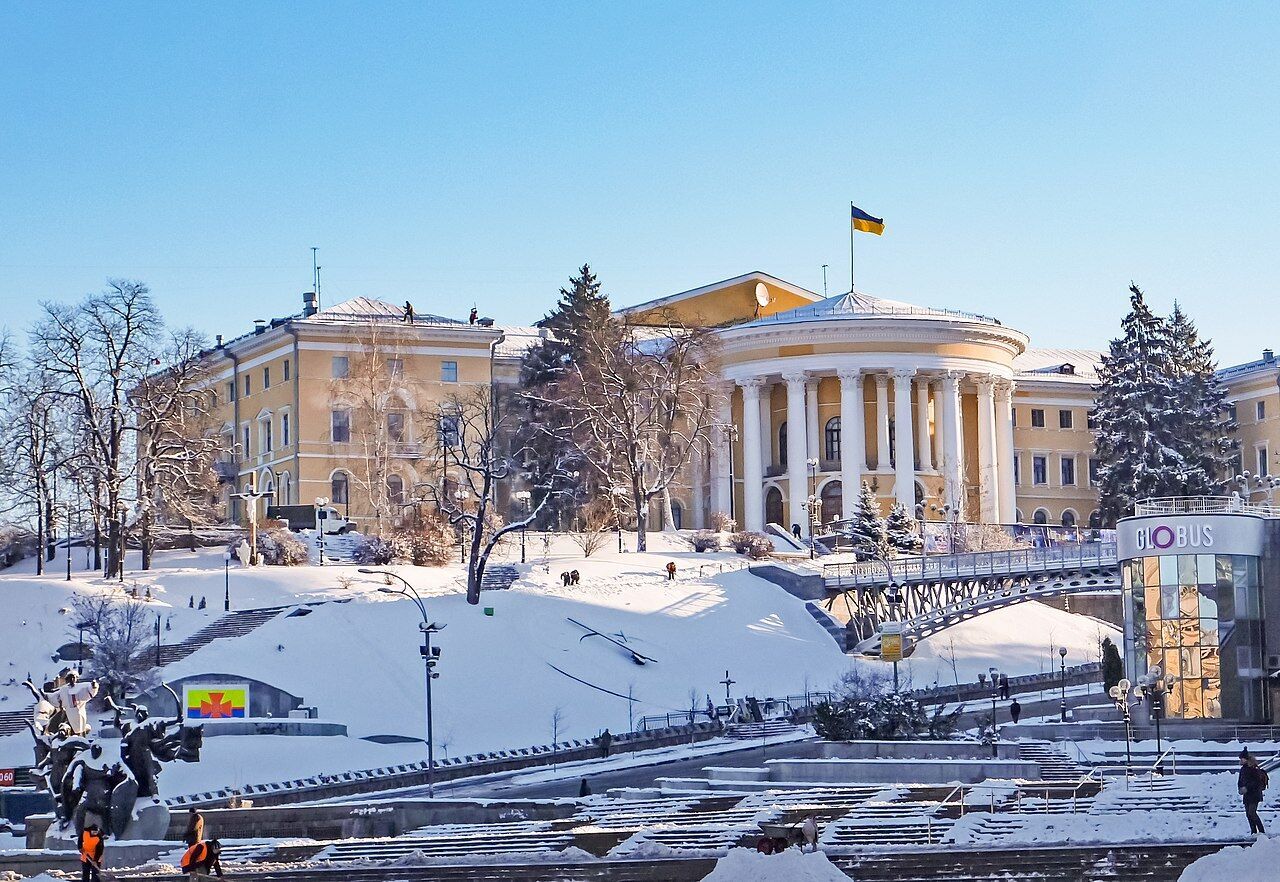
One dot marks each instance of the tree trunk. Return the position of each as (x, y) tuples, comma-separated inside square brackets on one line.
[(145, 539), (668, 517), (40, 543), (642, 521), (97, 541), (113, 548)]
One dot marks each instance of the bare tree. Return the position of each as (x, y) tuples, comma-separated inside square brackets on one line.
[(99, 350), (593, 522), (557, 720), (643, 399), (32, 449), (474, 460), (117, 630), (178, 440)]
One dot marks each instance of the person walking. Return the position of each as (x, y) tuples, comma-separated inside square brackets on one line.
[(605, 741), (671, 571), (1252, 783), (584, 789), (1004, 686), (1015, 710), (91, 849), (195, 827)]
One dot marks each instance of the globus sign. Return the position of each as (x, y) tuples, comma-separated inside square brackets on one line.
[(1189, 534)]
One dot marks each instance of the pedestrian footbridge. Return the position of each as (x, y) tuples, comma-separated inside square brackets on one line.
[(932, 592)]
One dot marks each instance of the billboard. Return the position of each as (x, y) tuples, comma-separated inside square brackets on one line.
[(891, 648), (215, 701)]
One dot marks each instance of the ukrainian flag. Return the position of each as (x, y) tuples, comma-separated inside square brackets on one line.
[(865, 223)]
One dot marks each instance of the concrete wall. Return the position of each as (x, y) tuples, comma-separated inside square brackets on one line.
[(912, 750), (265, 700), (905, 771)]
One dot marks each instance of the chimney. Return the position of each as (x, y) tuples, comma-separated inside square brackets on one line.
[(1268, 356), (310, 305), (219, 341), (259, 326)]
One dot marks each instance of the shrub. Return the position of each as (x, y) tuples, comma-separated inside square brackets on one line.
[(375, 551), (280, 548), (430, 543), (15, 544), (722, 522), (756, 546), (706, 540)]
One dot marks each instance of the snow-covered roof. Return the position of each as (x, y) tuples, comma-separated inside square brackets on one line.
[(859, 303), (517, 340), (1064, 365), (756, 275), (369, 309), (1268, 362)]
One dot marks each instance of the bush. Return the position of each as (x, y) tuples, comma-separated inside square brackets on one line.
[(756, 546), (375, 551), (15, 544), (280, 548), (722, 522), (706, 540), (1112, 664), (430, 543)]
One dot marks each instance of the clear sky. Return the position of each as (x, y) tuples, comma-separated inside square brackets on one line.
[(1029, 158)]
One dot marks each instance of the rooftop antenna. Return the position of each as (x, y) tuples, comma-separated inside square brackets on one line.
[(315, 273), (824, 280)]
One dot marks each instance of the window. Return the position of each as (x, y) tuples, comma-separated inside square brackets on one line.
[(1013, 415), (246, 385), (284, 429), (1017, 468), (1091, 419), (231, 391), (1068, 471), (1040, 516), (1064, 419), (448, 372), (832, 439), (266, 378), (1040, 470), (1231, 412), (246, 439), (1094, 465), (782, 445), (395, 425), (265, 432), (395, 489), (1037, 418), (1068, 518), (341, 367), (395, 367), (1262, 461), (286, 370), (449, 430), (340, 422), (1261, 410), (338, 486)]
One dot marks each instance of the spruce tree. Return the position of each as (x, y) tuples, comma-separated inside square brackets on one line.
[(867, 527), (1138, 436), (1204, 428), (901, 531)]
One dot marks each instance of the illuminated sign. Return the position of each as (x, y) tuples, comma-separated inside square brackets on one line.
[(1189, 534), (209, 701)]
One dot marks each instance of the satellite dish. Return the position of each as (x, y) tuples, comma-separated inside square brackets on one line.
[(762, 294)]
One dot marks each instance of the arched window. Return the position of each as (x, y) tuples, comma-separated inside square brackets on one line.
[(1068, 518), (832, 438), (677, 515), (395, 489), (832, 499), (1017, 516), (773, 506), (782, 445), (1095, 520), (286, 489), (339, 485), (1041, 516)]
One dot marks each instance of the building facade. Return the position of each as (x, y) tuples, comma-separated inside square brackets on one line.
[(950, 411)]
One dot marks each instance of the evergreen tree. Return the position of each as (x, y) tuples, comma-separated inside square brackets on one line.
[(1140, 438), (1205, 428), (901, 531), (867, 527)]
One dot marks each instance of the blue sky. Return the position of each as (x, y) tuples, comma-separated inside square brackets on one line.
[(1029, 159)]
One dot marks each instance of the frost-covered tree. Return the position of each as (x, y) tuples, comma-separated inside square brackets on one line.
[(867, 527), (1205, 427), (1144, 401), (901, 531)]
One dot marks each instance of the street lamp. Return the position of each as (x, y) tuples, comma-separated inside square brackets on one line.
[(994, 674), (81, 627), (815, 516), (430, 655), (950, 514), (121, 510), (460, 497), (226, 581), (68, 542), (322, 502), (1062, 679), (525, 498), (1120, 695), (1152, 687)]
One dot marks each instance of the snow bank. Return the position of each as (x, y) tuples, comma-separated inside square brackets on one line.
[(1249, 863), (747, 865)]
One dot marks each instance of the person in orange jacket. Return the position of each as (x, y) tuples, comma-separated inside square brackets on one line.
[(203, 859), (91, 848)]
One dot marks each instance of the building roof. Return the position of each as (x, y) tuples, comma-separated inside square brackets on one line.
[(756, 275), (371, 310), (1061, 365), (858, 303), (1268, 362)]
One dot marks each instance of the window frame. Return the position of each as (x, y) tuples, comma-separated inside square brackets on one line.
[(445, 370), (1066, 418), (333, 424), (1067, 462), (345, 362), (1037, 418), (1039, 469)]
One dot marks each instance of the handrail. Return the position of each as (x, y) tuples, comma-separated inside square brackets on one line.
[(971, 563), (1151, 771), (1168, 505)]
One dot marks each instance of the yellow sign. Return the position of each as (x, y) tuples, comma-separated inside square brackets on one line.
[(213, 702), (891, 647)]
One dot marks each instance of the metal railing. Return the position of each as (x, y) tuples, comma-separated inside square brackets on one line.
[(971, 563), (1173, 505), (868, 309), (1157, 769)]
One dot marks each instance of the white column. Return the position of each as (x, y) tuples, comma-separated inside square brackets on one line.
[(797, 447), (988, 489), (882, 422), (904, 480), (952, 446), (766, 426), (697, 486), (752, 465), (812, 431), (922, 424), (853, 458), (719, 453), (1004, 451)]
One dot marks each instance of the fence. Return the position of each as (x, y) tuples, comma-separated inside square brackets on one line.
[(973, 563)]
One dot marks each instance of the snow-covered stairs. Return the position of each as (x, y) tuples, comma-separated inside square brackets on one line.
[(456, 840), (1054, 764), (759, 731), (340, 549), (829, 624), (12, 722), (237, 623), (716, 830), (499, 577)]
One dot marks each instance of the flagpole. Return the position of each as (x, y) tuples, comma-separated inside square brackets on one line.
[(850, 247)]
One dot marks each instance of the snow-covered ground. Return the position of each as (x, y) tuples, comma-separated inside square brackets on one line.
[(1253, 863), (745, 865), (358, 662)]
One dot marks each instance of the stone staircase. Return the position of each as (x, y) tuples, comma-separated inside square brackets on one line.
[(12, 722), (829, 624), (499, 577), (340, 548), (237, 623), (1054, 764), (455, 840), (759, 731), (696, 831)]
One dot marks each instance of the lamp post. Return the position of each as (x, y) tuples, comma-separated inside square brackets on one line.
[(994, 674), (121, 510), (1062, 679), (460, 497), (322, 502), (525, 498), (226, 581), (815, 516), (430, 656), (730, 436), (80, 628), (1152, 687), (68, 542), (1120, 695)]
